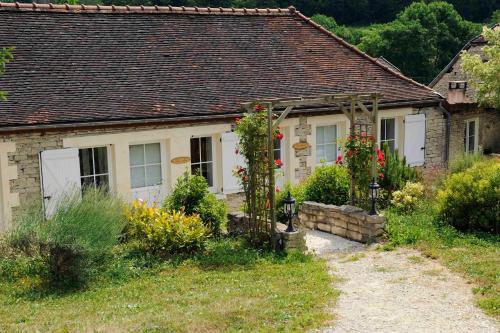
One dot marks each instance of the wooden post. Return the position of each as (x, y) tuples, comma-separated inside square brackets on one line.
[(375, 134), (270, 156), (353, 132)]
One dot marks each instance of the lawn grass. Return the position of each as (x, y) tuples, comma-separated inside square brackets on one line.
[(475, 255), (230, 288)]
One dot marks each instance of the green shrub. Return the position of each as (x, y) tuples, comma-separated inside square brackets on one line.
[(191, 195), (298, 192), (470, 199), (76, 240), (329, 184), (465, 161), (396, 172), (166, 232), (409, 197)]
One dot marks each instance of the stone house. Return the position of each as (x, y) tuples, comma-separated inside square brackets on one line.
[(132, 97), (471, 128)]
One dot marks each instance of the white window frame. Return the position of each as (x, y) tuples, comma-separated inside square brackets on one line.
[(212, 188), (108, 160), (162, 166), (476, 135), (396, 132), (337, 149)]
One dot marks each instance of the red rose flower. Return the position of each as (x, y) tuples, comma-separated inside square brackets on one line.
[(350, 153), (278, 163), (363, 134), (381, 175), (237, 121), (259, 107), (279, 136), (278, 190), (339, 159)]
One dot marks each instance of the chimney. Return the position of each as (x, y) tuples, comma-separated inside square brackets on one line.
[(456, 92)]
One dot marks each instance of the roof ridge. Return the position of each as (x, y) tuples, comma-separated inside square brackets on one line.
[(67, 8), (358, 51)]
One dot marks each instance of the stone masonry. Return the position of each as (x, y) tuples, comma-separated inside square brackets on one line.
[(345, 221), (302, 130)]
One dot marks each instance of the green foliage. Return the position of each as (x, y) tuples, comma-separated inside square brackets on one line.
[(465, 161), (396, 172), (484, 75), (422, 39), (298, 192), (351, 35), (409, 197), (191, 195), (470, 199), (77, 240), (5, 57), (166, 232), (495, 17), (328, 184)]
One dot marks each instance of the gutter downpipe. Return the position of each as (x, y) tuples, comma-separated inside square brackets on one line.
[(447, 116)]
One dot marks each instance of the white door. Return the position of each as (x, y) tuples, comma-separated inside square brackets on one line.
[(60, 173), (230, 160), (415, 139)]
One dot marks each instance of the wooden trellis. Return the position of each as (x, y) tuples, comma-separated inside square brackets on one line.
[(352, 105)]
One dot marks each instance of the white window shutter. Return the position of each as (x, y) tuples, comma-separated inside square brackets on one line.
[(60, 175), (414, 145), (230, 183)]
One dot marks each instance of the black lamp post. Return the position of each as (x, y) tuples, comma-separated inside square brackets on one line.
[(374, 187), (289, 211)]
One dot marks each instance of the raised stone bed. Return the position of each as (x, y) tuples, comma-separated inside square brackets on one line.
[(345, 221)]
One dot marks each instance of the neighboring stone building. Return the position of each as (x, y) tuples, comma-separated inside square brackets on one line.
[(131, 97), (471, 128)]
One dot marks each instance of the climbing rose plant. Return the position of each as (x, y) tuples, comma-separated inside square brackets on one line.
[(254, 175), (358, 157)]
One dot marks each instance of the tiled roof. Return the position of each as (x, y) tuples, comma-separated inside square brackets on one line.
[(91, 64)]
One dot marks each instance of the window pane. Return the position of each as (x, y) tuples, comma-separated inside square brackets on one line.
[(207, 172), (136, 155), (101, 160), (391, 145), (137, 177), (331, 153), (383, 136), (195, 150), (86, 165), (153, 154), (87, 181), (330, 134), (320, 135), (320, 153), (206, 149), (195, 169), (102, 181), (153, 175), (472, 128), (390, 129)]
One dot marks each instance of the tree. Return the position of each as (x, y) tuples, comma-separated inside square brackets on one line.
[(485, 75), (422, 39), (5, 56)]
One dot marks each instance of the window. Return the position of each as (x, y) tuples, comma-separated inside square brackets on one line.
[(94, 167), (470, 136), (145, 165), (388, 133), (201, 158), (326, 144), (277, 150)]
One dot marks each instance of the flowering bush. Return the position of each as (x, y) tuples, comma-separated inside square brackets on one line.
[(165, 232), (358, 157), (409, 197)]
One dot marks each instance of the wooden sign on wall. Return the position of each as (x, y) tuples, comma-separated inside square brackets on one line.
[(181, 160), (300, 145)]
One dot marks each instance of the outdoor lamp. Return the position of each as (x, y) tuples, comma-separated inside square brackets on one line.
[(374, 187), (289, 211)]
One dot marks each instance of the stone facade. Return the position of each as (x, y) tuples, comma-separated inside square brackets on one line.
[(488, 130), (345, 221), (302, 130), (435, 134)]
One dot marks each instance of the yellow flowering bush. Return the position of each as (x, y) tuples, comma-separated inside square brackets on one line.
[(408, 198), (163, 231)]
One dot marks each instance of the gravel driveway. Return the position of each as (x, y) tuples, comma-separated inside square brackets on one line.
[(397, 291)]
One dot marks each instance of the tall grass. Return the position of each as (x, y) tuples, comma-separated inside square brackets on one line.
[(465, 161), (76, 240)]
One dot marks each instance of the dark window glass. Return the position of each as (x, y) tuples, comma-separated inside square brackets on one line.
[(202, 159), (94, 167)]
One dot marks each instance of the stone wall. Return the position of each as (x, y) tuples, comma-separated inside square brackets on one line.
[(489, 130), (435, 134), (345, 221)]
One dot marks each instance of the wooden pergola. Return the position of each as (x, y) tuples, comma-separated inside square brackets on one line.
[(351, 104)]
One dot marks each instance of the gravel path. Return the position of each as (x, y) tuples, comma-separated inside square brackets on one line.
[(398, 291)]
